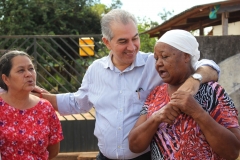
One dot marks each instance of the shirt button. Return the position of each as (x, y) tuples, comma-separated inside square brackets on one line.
[(119, 146), (119, 128)]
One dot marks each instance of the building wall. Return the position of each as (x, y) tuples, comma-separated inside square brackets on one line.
[(225, 51), (218, 48), (233, 29), (230, 78)]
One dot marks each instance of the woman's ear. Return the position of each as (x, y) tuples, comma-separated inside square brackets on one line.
[(5, 79), (187, 58), (106, 42)]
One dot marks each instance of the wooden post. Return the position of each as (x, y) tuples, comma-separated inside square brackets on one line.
[(225, 16), (201, 29)]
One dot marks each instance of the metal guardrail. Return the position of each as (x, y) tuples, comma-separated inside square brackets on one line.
[(60, 67)]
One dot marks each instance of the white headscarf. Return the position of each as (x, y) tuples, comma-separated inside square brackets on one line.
[(183, 41)]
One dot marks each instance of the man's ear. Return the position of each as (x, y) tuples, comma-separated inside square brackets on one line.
[(106, 42)]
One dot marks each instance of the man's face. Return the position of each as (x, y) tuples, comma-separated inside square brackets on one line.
[(124, 45)]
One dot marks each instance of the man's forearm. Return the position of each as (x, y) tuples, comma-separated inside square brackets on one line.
[(208, 74), (52, 99), (191, 85)]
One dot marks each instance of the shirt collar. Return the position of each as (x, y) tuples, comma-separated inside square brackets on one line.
[(139, 61)]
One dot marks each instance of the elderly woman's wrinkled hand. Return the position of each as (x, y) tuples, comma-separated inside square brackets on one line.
[(167, 114), (184, 101)]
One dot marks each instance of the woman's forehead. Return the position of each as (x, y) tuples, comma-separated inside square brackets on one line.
[(164, 46), (21, 59)]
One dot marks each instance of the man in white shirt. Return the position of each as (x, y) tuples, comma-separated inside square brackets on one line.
[(117, 86)]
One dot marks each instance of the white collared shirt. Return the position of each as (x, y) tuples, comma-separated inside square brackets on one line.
[(117, 104)]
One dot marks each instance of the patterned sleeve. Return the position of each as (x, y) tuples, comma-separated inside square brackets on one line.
[(149, 99), (225, 112), (56, 134)]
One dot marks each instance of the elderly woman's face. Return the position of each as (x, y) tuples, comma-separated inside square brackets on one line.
[(171, 64)]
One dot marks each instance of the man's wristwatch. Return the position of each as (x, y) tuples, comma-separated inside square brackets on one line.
[(197, 77)]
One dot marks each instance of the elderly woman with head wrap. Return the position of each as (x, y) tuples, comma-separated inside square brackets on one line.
[(178, 125)]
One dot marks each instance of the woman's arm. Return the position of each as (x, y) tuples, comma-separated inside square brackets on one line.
[(225, 142), (142, 133), (53, 150)]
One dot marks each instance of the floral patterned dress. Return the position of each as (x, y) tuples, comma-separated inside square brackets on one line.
[(26, 134), (184, 139)]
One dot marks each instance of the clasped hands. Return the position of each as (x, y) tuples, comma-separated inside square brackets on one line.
[(181, 102)]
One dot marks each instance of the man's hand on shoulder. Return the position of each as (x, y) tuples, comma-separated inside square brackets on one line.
[(191, 86), (37, 91)]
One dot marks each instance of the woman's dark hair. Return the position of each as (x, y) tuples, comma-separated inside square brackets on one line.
[(6, 64)]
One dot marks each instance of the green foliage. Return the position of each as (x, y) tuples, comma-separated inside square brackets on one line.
[(165, 15), (116, 4), (102, 9), (54, 17), (147, 43), (48, 17)]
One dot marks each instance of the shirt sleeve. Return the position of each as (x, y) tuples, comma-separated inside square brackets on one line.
[(74, 103), (66, 104), (207, 62), (147, 102)]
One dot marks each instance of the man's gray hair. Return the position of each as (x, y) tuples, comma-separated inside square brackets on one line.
[(115, 15)]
